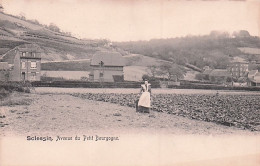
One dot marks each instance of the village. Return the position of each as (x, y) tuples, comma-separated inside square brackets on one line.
[(23, 63)]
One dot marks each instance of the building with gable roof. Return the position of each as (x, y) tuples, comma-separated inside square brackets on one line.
[(24, 62), (107, 67), (238, 67)]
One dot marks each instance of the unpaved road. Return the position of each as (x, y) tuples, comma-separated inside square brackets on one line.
[(42, 114)]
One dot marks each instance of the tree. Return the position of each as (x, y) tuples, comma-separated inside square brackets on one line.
[(1, 8), (199, 76), (258, 67), (6, 75), (219, 34), (35, 21), (54, 27), (229, 79), (241, 33), (172, 71), (153, 69), (22, 16), (145, 77)]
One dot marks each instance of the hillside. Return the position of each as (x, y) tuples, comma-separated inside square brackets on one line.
[(57, 46), (141, 60), (212, 50), (84, 64), (61, 51)]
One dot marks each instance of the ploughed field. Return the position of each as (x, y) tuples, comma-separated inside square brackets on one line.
[(240, 110)]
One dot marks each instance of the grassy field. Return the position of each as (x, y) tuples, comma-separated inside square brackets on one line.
[(69, 75), (141, 60), (134, 73)]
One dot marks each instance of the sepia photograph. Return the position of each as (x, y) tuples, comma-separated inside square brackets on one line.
[(130, 82)]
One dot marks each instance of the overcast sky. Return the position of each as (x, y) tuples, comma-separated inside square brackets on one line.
[(124, 20)]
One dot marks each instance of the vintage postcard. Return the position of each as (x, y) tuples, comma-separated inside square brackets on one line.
[(130, 82)]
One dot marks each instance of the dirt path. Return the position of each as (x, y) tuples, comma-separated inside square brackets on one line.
[(43, 114)]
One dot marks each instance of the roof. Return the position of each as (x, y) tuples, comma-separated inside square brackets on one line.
[(238, 60), (220, 72), (29, 48), (10, 55), (207, 71), (108, 58), (256, 79), (257, 74), (252, 73)]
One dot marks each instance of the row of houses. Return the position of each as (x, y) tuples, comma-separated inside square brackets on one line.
[(237, 74), (23, 63)]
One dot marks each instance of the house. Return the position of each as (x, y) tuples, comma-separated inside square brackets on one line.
[(205, 74), (219, 76), (216, 75), (107, 67), (238, 67), (254, 78), (24, 62)]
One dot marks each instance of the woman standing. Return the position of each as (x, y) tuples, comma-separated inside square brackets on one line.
[(144, 102)]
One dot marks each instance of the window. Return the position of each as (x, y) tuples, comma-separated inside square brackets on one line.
[(101, 75), (33, 65), (23, 65), (23, 54), (33, 76), (33, 54)]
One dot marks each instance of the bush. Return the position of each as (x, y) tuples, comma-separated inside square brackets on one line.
[(3, 93), (16, 86), (147, 77), (199, 76), (83, 84)]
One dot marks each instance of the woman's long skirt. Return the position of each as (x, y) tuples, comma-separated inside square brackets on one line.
[(144, 102)]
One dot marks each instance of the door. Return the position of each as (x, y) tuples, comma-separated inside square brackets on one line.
[(23, 76)]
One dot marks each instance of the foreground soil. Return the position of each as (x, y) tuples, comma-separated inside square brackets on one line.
[(41, 114)]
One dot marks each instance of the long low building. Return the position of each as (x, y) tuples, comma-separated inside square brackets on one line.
[(107, 67)]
